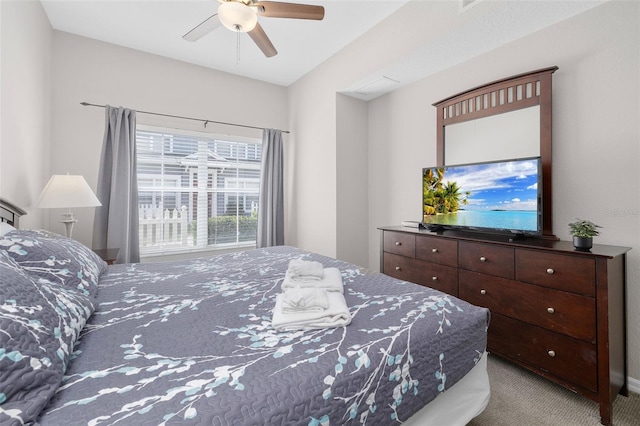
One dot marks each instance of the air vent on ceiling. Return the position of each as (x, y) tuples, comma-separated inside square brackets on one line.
[(379, 86)]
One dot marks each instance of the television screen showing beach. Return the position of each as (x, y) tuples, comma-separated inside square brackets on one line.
[(499, 195)]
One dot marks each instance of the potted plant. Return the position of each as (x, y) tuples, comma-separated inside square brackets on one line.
[(583, 232)]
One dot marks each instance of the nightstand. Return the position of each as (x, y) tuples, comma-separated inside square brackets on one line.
[(108, 255)]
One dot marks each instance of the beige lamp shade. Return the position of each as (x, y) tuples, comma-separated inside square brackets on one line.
[(67, 191)]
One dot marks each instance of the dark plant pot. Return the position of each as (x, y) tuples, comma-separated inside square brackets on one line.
[(583, 243)]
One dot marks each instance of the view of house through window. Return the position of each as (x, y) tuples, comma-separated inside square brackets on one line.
[(196, 190)]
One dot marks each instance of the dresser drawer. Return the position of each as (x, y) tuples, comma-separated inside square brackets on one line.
[(400, 243), (437, 250), (486, 258), (564, 272), (559, 311), (399, 267), (439, 277), (572, 360)]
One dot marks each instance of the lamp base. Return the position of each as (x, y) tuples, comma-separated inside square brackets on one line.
[(69, 220)]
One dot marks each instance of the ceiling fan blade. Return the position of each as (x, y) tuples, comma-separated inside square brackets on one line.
[(274, 9), (204, 28), (260, 38)]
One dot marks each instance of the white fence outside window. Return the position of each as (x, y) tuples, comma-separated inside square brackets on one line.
[(158, 226)]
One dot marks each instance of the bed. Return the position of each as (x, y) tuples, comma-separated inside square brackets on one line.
[(191, 342)]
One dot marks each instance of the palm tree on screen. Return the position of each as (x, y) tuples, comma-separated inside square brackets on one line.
[(439, 198)]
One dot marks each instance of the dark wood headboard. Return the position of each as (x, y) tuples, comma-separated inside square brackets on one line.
[(10, 213)]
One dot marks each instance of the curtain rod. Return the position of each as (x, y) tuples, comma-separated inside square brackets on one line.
[(187, 118)]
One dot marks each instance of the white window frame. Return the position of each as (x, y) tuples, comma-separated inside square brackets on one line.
[(173, 249)]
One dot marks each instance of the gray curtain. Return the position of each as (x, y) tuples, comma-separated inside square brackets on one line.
[(116, 221), (271, 201)]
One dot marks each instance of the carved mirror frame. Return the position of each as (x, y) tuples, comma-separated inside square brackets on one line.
[(498, 97)]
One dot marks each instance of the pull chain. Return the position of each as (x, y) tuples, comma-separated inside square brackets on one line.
[(237, 44)]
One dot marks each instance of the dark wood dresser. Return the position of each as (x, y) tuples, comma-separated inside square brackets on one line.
[(556, 311)]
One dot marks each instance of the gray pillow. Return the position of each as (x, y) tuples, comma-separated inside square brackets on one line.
[(55, 258), (39, 324)]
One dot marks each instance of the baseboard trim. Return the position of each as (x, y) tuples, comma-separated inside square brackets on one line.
[(634, 384)]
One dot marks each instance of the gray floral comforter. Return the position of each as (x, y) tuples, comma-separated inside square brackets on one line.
[(191, 342)]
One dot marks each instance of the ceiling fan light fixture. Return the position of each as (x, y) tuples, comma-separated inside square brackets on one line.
[(237, 16)]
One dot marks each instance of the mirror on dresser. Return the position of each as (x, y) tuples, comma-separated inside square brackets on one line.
[(505, 119)]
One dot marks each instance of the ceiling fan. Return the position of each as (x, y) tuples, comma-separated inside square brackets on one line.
[(242, 16)]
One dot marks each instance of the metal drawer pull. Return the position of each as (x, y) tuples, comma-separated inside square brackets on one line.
[(434, 250), (551, 310), (550, 271), (434, 278), (552, 353), (398, 243), (483, 291), (397, 268), (483, 259)]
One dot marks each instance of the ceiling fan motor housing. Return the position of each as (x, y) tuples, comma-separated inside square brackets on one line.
[(237, 16)]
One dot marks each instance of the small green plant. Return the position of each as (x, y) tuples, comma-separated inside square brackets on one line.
[(583, 228)]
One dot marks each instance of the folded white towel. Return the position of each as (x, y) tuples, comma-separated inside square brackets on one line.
[(336, 315), (304, 300), (332, 281), (305, 270)]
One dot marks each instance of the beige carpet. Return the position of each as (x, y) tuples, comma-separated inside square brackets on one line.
[(519, 397)]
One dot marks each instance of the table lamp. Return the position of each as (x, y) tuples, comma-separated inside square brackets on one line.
[(67, 191)]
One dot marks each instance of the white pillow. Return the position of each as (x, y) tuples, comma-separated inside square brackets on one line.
[(5, 227)]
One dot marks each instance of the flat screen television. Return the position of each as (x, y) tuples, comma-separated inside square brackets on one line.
[(495, 197)]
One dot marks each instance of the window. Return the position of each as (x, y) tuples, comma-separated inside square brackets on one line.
[(196, 190)]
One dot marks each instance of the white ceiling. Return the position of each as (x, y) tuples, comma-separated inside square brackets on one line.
[(157, 26)]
